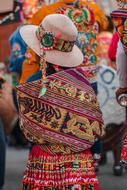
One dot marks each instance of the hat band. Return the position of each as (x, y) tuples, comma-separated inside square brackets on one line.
[(48, 41)]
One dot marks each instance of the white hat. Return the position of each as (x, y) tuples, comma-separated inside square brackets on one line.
[(56, 36)]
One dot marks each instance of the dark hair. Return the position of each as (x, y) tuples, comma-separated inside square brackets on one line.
[(51, 68), (110, 24)]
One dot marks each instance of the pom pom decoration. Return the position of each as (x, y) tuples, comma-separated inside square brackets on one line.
[(43, 67)]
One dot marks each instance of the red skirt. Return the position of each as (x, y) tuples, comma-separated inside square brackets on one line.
[(124, 151), (49, 171)]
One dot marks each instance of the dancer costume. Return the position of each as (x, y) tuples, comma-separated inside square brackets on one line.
[(119, 18), (65, 120)]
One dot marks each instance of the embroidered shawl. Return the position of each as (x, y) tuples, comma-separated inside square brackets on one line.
[(68, 113)]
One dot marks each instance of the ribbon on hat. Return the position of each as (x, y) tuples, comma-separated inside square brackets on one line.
[(48, 41)]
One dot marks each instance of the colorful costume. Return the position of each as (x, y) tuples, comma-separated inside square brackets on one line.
[(30, 66), (17, 55), (59, 122), (89, 20), (105, 40), (119, 18), (56, 164), (121, 61), (113, 47)]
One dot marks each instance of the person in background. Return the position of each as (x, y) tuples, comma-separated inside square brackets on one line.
[(121, 93), (96, 22), (8, 116), (2, 147), (2, 155), (113, 47), (105, 38), (17, 56), (121, 62)]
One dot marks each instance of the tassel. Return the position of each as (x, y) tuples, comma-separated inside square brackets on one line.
[(43, 67)]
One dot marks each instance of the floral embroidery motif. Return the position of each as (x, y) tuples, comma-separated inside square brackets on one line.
[(67, 88), (16, 49), (70, 90)]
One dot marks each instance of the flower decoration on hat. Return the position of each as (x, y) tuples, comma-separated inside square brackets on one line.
[(46, 39), (49, 41)]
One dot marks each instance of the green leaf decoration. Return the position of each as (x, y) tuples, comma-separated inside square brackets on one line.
[(85, 11), (79, 19), (69, 13), (43, 91)]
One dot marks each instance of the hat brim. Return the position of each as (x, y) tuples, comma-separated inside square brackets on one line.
[(65, 59)]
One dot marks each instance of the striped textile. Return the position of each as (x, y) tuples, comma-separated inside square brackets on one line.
[(46, 171), (68, 113)]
